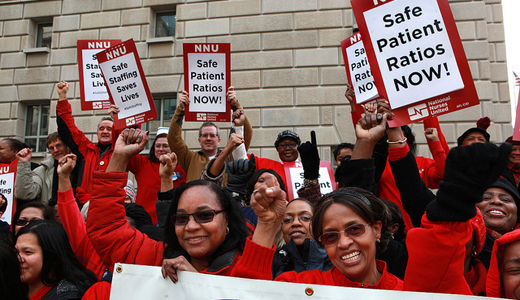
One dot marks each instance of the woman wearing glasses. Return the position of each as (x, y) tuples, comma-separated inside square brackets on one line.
[(300, 252), (31, 211), (205, 230)]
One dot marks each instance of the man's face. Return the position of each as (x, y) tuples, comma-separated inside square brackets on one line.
[(287, 150), (474, 137), (58, 149), (104, 132), (209, 140)]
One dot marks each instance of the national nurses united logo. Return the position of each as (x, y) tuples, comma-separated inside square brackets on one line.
[(201, 116), (130, 121), (97, 105), (418, 112)]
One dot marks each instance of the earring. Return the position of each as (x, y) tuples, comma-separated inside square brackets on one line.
[(227, 230), (378, 240)]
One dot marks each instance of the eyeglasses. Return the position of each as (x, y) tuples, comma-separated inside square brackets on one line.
[(22, 222), (289, 145), (208, 135), (200, 217), (353, 231), (302, 218)]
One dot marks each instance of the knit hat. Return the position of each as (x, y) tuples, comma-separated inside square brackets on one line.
[(507, 186), (482, 126), (287, 134), (130, 190), (511, 141)]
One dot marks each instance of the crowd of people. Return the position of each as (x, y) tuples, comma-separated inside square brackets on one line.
[(226, 211)]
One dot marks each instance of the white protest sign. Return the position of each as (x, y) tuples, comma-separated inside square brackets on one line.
[(294, 176), (358, 67), (146, 282), (413, 50), (7, 175), (207, 82)]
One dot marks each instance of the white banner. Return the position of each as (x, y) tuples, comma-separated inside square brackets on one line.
[(361, 76), (146, 282), (7, 189), (413, 51), (207, 78)]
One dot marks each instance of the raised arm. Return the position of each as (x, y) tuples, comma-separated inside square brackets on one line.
[(28, 185), (175, 141)]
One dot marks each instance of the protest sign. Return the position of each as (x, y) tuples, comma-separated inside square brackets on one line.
[(416, 56), (294, 176), (146, 282), (207, 69), (94, 95), (516, 131), (7, 176), (359, 74), (127, 84)]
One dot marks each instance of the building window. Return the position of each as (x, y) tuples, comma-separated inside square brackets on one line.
[(37, 127), (165, 106), (44, 35), (165, 24)]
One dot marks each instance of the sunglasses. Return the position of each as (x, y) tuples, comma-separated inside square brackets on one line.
[(302, 218), (22, 222), (353, 231), (291, 145), (200, 217)]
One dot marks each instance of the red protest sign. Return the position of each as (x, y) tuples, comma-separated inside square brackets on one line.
[(94, 95), (207, 76), (294, 176), (358, 70), (7, 179), (416, 56), (127, 84)]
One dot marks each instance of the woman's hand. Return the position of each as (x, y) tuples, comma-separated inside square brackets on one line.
[(168, 163), (66, 164), (170, 266)]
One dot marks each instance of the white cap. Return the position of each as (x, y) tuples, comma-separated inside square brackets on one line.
[(162, 130)]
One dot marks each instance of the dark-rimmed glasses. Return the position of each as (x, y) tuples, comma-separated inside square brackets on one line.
[(200, 217)]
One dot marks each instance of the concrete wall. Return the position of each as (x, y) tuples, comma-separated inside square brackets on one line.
[(286, 61)]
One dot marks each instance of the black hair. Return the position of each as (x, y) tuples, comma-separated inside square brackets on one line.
[(48, 212), (362, 202), (151, 154), (15, 144), (59, 261), (138, 214), (11, 287), (342, 146), (301, 199), (250, 187), (238, 232), (395, 216)]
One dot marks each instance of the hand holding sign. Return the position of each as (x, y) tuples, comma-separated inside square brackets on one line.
[(184, 100), (170, 267)]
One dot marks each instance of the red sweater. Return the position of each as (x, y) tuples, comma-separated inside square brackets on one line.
[(74, 225), (90, 151), (436, 257), (493, 281), (115, 241), (149, 182), (336, 278)]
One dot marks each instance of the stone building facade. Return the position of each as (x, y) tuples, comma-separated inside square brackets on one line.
[(286, 62)]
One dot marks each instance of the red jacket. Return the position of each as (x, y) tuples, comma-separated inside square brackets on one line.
[(149, 182), (98, 291), (436, 257), (115, 241), (431, 172), (74, 225), (78, 142), (493, 281), (336, 278)]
